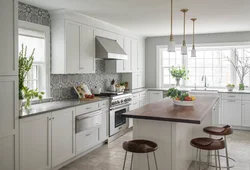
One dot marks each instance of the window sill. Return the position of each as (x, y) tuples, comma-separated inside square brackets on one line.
[(36, 100)]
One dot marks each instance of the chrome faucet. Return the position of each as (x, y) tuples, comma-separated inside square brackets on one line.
[(204, 78)]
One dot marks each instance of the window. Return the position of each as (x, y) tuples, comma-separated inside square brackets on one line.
[(210, 61), (36, 37)]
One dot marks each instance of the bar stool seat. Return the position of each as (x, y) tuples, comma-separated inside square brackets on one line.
[(222, 131), (140, 146), (208, 144)]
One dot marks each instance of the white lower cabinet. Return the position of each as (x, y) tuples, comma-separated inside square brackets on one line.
[(231, 112), (155, 96), (246, 113), (63, 135), (35, 142), (47, 140), (104, 128), (216, 114), (86, 139)]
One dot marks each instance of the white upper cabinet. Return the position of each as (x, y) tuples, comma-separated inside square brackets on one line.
[(127, 64), (106, 34), (134, 55), (8, 36), (73, 47), (141, 56), (87, 56)]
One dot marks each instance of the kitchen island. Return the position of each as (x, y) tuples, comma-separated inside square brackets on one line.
[(171, 127)]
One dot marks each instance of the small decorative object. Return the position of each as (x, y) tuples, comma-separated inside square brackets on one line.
[(24, 66), (120, 87), (240, 64), (193, 51), (96, 90), (126, 85), (180, 98), (84, 93), (230, 87), (178, 74), (30, 94), (112, 86)]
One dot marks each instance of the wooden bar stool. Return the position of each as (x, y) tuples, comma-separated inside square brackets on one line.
[(139, 146), (208, 144), (221, 131)]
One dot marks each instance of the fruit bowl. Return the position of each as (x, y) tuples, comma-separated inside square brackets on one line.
[(183, 103)]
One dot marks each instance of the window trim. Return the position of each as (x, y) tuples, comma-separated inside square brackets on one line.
[(211, 46), (46, 30)]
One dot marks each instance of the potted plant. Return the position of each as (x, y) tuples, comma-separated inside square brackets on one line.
[(30, 94), (25, 64), (241, 65), (178, 73), (230, 87)]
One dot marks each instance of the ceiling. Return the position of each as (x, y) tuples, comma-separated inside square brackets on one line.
[(152, 17)]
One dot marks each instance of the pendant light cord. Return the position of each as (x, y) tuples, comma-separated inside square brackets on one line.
[(184, 27), (193, 19), (193, 33), (171, 22)]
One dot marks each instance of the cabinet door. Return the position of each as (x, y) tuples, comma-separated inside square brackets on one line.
[(103, 130), (231, 112), (63, 135), (216, 114), (134, 55), (72, 46), (8, 38), (120, 63), (141, 79), (135, 105), (127, 64), (106, 34), (35, 145), (87, 59), (141, 56), (246, 113), (143, 101), (9, 123), (155, 96)]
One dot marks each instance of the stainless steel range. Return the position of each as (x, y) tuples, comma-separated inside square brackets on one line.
[(118, 105)]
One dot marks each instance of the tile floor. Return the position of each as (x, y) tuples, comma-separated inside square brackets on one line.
[(111, 156)]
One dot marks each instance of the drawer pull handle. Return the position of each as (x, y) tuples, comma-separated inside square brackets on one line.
[(231, 100), (89, 134), (88, 107), (231, 96)]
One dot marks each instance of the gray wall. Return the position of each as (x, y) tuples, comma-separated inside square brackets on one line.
[(152, 42)]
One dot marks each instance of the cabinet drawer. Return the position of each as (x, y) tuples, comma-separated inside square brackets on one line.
[(86, 139), (143, 94), (231, 96), (245, 96), (136, 95), (104, 104), (87, 108)]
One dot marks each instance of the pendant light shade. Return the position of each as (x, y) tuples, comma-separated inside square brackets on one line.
[(184, 46), (193, 52), (171, 44)]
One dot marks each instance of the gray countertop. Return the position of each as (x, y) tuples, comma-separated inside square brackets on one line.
[(208, 90), (53, 106)]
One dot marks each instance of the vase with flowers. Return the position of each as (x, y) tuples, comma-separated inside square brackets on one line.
[(179, 73), (25, 64)]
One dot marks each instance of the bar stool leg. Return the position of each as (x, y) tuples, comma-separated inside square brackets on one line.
[(200, 159), (197, 154), (208, 158), (125, 160), (131, 161), (218, 153), (148, 162), (155, 161), (215, 156), (226, 153)]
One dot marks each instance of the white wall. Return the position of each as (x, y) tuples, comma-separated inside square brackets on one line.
[(152, 42)]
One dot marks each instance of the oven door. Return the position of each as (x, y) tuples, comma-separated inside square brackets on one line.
[(117, 121)]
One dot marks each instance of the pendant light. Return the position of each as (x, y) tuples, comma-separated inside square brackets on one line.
[(184, 46), (171, 44), (193, 51)]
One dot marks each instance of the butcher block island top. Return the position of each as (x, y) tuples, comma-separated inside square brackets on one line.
[(165, 110)]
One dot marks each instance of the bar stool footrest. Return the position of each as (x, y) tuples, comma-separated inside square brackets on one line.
[(231, 161)]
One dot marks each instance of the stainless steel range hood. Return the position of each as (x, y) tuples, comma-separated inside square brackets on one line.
[(109, 49)]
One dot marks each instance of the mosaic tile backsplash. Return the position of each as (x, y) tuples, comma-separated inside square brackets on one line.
[(33, 14), (61, 85)]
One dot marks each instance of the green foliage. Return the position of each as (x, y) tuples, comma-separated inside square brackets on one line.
[(179, 72), (122, 83), (30, 94), (174, 93), (230, 85), (25, 64)]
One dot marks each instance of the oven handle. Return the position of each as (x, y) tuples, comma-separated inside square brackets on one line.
[(120, 106), (85, 116)]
